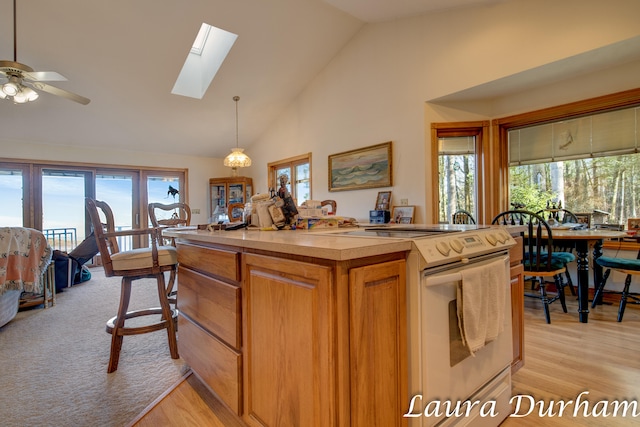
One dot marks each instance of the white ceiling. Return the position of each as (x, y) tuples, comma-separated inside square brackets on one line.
[(126, 55)]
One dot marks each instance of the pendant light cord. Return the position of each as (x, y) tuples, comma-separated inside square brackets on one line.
[(15, 37), (235, 98)]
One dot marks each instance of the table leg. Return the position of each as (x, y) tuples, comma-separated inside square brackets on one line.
[(582, 250), (597, 269)]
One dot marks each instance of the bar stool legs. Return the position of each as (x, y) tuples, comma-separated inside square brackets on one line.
[(116, 326)]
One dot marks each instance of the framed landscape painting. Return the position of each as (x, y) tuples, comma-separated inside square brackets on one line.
[(368, 167)]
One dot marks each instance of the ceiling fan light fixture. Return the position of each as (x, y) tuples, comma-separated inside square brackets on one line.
[(12, 87), (31, 94)]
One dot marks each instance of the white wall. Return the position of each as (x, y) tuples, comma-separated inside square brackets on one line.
[(376, 88), (200, 169)]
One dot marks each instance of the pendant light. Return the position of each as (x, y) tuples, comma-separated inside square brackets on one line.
[(237, 159)]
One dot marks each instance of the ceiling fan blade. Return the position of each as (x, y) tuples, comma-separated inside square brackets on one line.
[(60, 92), (45, 76)]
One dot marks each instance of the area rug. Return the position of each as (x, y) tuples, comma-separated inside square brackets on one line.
[(53, 369)]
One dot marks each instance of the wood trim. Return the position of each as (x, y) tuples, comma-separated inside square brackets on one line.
[(500, 127), (480, 129)]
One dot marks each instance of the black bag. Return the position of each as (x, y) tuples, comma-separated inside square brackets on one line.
[(66, 269)]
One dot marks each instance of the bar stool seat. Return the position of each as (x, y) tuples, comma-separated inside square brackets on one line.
[(630, 267), (132, 265)]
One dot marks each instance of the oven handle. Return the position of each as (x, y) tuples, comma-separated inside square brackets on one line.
[(432, 279)]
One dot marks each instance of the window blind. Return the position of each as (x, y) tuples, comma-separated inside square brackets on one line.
[(598, 135)]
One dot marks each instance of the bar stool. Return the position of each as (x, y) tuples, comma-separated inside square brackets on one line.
[(133, 265), (630, 267)]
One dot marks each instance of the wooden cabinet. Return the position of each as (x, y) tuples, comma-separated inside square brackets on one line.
[(223, 191), (290, 340), (210, 319), (517, 304)]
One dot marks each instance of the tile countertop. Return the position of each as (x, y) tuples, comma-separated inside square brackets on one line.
[(326, 244)]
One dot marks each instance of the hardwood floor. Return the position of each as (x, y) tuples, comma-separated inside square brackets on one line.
[(562, 360)]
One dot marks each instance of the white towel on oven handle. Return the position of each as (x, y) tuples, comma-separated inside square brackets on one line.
[(481, 303)]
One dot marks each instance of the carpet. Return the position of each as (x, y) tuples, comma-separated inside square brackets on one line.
[(53, 369)]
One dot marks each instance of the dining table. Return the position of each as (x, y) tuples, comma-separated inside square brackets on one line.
[(583, 239)]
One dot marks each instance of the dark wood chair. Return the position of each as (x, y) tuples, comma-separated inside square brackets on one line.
[(630, 267), (562, 216), (539, 258), (160, 218), (462, 216), (132, 265)]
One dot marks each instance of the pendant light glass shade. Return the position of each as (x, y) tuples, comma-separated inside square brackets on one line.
[(237, 159)]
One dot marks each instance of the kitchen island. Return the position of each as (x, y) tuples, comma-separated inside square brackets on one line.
[(296, 327)]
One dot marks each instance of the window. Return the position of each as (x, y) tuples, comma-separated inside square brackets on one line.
[(457, 148), (583, 155), (298, 171), (50, 197)]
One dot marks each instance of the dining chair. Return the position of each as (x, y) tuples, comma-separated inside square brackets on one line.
[(131, 265), (160, 218), (630, 267), (332, 203), (462, 216), (562, 216), (234, 211), (540, 260)]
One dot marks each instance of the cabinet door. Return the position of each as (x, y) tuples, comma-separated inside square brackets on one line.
[(218, 197), (378, 344), (289, 365), (236, 193)]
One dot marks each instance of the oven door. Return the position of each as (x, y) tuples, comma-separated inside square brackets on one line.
[(449, 371)]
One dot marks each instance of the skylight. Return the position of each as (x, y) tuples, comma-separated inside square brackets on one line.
[(205, 58)]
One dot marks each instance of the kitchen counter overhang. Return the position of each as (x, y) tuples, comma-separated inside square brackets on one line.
[(317, 244)]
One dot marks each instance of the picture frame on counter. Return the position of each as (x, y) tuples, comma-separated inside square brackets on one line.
[(633, 224), (383, 201), (403, 214), (584, 218), (367, 167)]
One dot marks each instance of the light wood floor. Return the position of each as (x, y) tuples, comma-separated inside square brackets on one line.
[(562, 360)]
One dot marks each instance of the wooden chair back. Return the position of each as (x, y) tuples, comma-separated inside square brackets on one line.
[(234, 211), (561, 215), (538, 242), (462, 216), (181, 215), (103, 224), (332, 203)]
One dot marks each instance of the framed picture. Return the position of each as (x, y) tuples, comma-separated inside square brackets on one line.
[(633, 224), (383, 201), (368, 167), (584, 218), (403, 214)]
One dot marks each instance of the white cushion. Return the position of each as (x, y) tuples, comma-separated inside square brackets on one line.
[(142, 258)]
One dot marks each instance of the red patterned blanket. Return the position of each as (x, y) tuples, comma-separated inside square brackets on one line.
[(24, 256)]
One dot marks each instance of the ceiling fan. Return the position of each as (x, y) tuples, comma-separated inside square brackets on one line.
[(18, 81)]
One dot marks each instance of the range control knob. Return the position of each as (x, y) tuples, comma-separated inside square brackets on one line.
[(457, 246), (443, 248), (491, 238)]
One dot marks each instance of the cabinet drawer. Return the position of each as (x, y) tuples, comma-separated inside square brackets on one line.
[(213, 304), (217, 365), (221, 263)]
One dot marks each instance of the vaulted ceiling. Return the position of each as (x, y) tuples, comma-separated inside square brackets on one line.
[(126, 55)]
